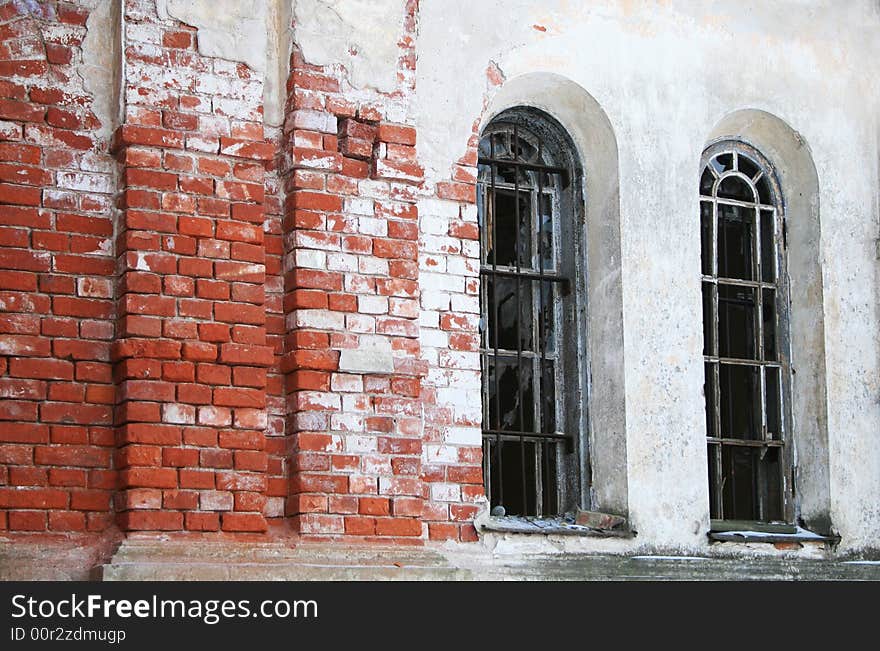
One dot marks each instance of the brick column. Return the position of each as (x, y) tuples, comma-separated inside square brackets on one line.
[(191, 355), (351, 271)]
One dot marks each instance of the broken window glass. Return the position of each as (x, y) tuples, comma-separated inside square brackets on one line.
[(743, 329), (527, 446)]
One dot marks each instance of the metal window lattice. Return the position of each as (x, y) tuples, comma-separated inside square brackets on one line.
[(521, 326), (745, 335)]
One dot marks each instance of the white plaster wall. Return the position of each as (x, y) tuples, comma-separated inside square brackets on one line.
[(358, 36), (665, 73), (361, 35)]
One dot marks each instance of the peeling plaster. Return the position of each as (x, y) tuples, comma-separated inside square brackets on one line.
[(362, 35), (257, 34), (280, 40), (228, 29), (101, 64)]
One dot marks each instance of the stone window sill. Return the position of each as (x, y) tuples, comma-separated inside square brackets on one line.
[(547, 526), (764, 533)]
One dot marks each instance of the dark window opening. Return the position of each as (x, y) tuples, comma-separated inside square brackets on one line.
[(530, 362), (745, 325)]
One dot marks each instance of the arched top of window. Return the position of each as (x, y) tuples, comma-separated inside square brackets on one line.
[(736, 172), (532, 140)]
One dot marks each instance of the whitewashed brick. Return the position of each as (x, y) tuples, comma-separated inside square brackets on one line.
[(198, 143), (372, 304), (470, 412), (470, 248), (459, 359), (374, 189), (354, 403), (429, 319), (10, 130), (434, 225), (441, 244), (236, 108), (312, 421), (375, 464), (216, 500), (318, 319), (469, 212), (370, 265), (440, 454), (466, 303), (462, 436), (437, 377), (432, 262), (443, 492), (213, 125), (347, 422), (314, 121), (311, 259), (143, 33), (434, 338), (93, 161), (346, 382), (366, 361), (434, 300), (360, 206), (361, 443), (441, 282), (462, 266), (463, 378), (358, 284), (438, 208), (342, 262), (360, 323), (455, 396), (308, 240), (317, 399), (181, 414), (372, 226)]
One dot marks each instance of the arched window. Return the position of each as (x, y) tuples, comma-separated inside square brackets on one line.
[(745, 328), (532, 353)]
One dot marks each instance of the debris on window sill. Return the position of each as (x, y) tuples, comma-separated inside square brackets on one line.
[(561, 525), (737, 531), (597, 520)]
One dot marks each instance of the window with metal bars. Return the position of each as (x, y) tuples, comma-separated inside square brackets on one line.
[(745, 328), (530, 350)]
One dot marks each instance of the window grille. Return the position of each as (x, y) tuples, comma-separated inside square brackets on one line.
[(526, 206), (745, 329)]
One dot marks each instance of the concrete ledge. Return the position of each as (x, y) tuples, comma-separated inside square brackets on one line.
[(276, 561), (62, 558), (164, 559), (578, 567)]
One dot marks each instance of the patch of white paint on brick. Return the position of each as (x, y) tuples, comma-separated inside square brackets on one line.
[(373, 356)]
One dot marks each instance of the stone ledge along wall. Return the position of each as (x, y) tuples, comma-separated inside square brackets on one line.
[(213, 318)]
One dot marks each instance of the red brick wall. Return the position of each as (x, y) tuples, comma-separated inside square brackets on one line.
[(191, 351), (56, 279), (186, 313)]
